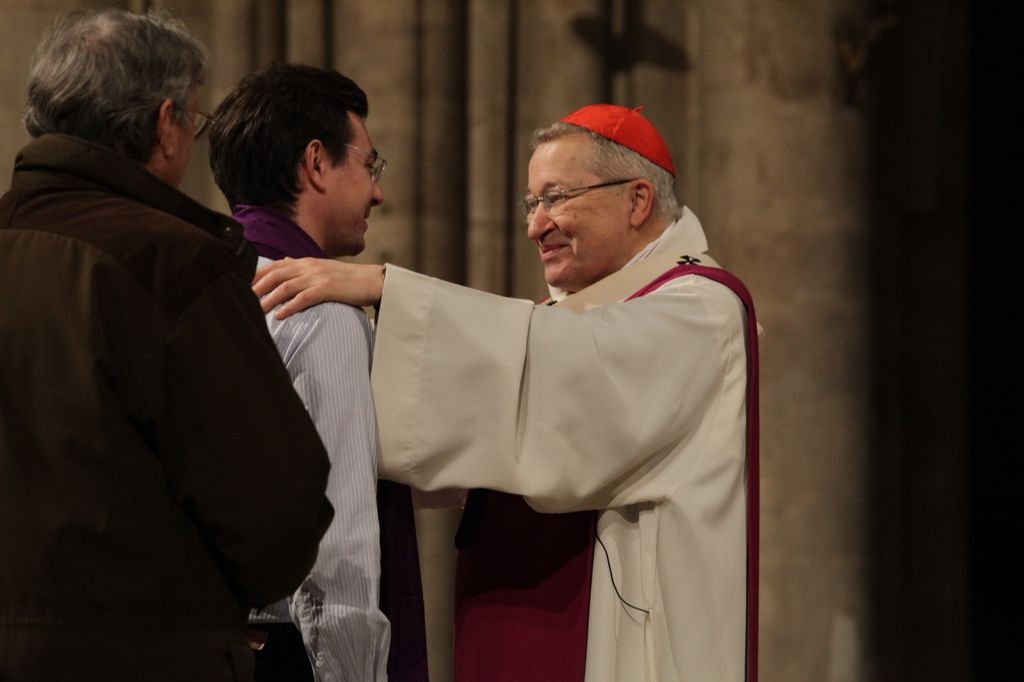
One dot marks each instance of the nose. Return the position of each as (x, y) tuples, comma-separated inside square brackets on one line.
[(378, 195), (537, 222)]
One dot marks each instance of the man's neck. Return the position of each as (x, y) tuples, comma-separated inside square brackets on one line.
[(650, 234), (274, 235)]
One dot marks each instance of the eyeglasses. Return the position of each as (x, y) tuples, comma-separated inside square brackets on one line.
[(556, 195), (201, 123), (377, 163)]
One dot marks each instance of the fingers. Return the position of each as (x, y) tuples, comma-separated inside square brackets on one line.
[(269, 276), (279, 294), (293, 293), (288, 281), (307, 296)]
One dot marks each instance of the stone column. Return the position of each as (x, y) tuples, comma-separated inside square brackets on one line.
[(491, 187), (409, 57), (563, 74), (783, 196), (655, 42), (307, 30), (373, 45)]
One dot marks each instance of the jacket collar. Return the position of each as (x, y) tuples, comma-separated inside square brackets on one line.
[(84, 163)]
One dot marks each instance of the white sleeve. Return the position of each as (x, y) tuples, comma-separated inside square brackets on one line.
[(605, 408)]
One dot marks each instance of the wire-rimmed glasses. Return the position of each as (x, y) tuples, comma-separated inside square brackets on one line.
[(556, 195), (202, 123), (377, 162)]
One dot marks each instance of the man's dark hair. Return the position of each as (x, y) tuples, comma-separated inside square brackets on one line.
[(261, 130)]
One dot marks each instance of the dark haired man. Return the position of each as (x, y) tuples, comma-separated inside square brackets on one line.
[(291, 152)]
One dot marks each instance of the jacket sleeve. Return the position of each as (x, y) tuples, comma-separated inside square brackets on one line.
[(613, 406), (241, 454)]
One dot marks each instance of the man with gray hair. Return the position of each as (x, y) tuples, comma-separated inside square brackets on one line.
[(158, 474), (610, 433)]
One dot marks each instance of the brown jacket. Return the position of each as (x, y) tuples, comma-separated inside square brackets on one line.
[(158, 474)]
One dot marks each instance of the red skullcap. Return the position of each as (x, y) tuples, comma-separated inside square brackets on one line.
[(628, 128)]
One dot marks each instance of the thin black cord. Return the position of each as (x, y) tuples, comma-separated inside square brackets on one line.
[(612, 575)]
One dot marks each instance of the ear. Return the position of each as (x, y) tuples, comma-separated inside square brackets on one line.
[(165, 141), (642, 202), (313, 166)]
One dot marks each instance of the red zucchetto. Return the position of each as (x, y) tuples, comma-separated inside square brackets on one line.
[(628, 128)]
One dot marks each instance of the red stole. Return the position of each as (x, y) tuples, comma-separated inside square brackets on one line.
[(522, 589)]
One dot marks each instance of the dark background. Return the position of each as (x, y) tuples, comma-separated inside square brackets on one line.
[(995, 192), (942, 91)]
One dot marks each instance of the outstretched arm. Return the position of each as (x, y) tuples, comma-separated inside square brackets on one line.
[(300, 283)]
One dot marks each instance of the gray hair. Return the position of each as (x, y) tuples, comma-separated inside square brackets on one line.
[(101, 76), (612, 161)]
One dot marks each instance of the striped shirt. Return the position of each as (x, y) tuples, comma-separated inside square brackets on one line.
[(326, 350)]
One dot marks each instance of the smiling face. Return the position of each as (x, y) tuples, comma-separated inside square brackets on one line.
[(350, 195), (586, 237)]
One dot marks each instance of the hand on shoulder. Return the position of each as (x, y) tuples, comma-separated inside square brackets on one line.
[(298, 283)]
